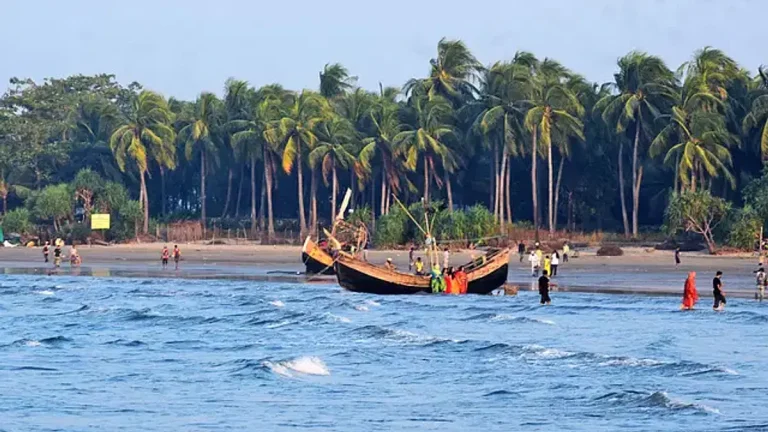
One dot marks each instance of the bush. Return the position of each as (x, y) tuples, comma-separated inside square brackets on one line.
[(480, 223), (451, 226), (17, 221), (610, 250), (745, 228), (391, 229), (80, 233)]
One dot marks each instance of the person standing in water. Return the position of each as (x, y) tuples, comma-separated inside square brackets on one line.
[(555, 262), (57, 256), (677, 257), (46, 250), (164, 256), (718, 293), (74, 257), (521, 250), (176, 255), (544, 289), (690, 295), (760, 282)]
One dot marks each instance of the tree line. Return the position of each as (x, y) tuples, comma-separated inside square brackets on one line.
[(538, 144)]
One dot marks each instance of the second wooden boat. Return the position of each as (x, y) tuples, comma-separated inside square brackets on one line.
[(316, 260), (484, 275)]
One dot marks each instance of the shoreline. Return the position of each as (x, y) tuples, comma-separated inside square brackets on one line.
[(638, 272)]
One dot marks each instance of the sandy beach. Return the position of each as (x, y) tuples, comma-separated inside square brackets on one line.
[(639, 271)]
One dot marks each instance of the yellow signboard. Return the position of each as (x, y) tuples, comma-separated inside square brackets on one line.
[(100, 221)]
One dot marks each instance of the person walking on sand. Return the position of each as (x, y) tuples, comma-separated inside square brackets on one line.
[(760, 281), (690, 295), (547, 267), (566, 251), (544, 289), (677, 257), (46, 250), (717, 291), (411, 263), (164, 256), (446, 258), (176, 255), (535, 263), (521, 250), (555, 262), (74, 257), (57, 256)]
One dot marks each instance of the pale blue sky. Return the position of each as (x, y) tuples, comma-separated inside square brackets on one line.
[(180, 48)]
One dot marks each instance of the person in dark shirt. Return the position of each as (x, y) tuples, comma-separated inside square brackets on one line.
[(717, 291), (57, 256), (677, 257), (544, 288), (46, 250), (521, 250)]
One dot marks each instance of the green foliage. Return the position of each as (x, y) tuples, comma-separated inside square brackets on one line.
[(391, 229), (756, 195), (360, 215), (744, 230), (17, 221), (53, 203), (480, 222), (698, 212)]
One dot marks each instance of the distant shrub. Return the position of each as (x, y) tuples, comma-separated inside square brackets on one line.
[(610, 250), (391, 229), (17, 221), (744, 228)]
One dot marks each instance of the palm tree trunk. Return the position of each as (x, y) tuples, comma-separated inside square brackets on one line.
[(300, 177), (426, 179), (557, 188), (313, 202), (534, 183), (229, 193), (383, 192), (239, 192), (202, 190), (262, 202), (550, 196), (352, 187), (162, 190), (253, 193), (500, 188), (496, 188), (624, 217), (507, 193), (449, 191), (143, 195), (335, 188), (270, 215), (5, 203), (636, 177)]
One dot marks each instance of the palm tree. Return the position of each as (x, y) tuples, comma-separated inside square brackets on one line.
[(145, 127), (201, 135), (333, 150), (237, 96), (757, 117), (335, 81), (426, 138), (296, 130), (451, 72), (379, 149), (646, 88)]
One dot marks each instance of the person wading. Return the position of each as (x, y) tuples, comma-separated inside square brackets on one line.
[(717, 292), (690, 295), (544, 288)]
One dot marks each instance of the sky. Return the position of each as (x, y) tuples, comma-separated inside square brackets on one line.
[(180, 48)]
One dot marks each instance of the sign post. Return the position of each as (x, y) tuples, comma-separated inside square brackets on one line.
[(100, 221)]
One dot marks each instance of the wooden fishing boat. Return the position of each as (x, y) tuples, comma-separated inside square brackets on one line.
[(316, 260), (484, 275)]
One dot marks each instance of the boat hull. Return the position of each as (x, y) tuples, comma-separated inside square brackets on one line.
[(359, 276), (316, 260)]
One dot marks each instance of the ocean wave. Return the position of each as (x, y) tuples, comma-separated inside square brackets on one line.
[(336, 318), (505, 317), (372, 303), (277, 303), (403, 337), (45, 292), (124, 342), (308, 365), (34, 368), (655, 400), (361, 308)]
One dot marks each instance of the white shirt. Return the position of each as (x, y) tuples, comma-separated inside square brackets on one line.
[(555, 260), (534, 259)]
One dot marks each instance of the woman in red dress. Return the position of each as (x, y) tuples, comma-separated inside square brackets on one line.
[(690, 295)]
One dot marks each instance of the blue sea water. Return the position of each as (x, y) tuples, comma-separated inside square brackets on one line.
[(81, 354)]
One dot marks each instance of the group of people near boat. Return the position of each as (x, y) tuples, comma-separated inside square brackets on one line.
[(58, 249), (449, 280)]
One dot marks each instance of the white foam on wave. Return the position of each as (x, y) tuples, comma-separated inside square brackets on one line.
[(372, 303), (632, 362), (45, 292), (361, 308), (337, 318), (32, 343), (539, 351), (307, 365), (729, 371), (681, 404), (278, 324), (505, 317), (277, 303)]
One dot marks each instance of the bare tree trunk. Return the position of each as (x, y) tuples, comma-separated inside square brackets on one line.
[(143, 196), (353, 188), (426, 180), (636, 177), (300, 177), (253, 193), (507, 192), (202, 190), (557, 188), (534, 182), (229, 193), (239, 192), (449, 191), (270, 215), (624, 217), (334, 189), (550, 186), (313, 202), (569, 222)]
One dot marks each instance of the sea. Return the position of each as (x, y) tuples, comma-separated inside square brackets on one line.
[(141, 354)]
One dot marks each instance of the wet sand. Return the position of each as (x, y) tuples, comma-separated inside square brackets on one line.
[(639, 271)]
